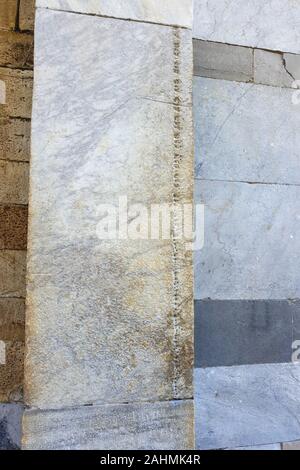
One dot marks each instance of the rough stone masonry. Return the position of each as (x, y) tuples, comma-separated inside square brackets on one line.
[(16, 63), (109, 360)]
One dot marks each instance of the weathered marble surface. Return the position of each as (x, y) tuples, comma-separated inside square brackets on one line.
[(173, 12), (272, 24), (147, 426), (8, 13), (247, 405), (101, 325), (251, 237), (10, 426), (245, 132)]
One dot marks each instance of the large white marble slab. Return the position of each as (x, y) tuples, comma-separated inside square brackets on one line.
[(106, 123), (271, 24), (173, 12)]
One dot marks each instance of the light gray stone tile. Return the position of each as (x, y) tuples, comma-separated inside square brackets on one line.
[(245, 132), (292, 65), (269, 69), (251, 237), (174, 12), (165, 425), (247, 405), (273, 24), (101, 313), (215, 60), (263, 447), (17, 93), (10, 426)]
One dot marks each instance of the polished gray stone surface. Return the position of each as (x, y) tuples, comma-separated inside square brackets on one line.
[(174, 12), (245, 132), (247, 405), (10, 426), (147, 426), (234, 332), (106, 320), (270, 24)]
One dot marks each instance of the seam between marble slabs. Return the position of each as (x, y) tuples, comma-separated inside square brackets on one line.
[(98, 15)]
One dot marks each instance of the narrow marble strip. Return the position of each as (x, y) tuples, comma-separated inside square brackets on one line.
[(145, 426), (169, 12)]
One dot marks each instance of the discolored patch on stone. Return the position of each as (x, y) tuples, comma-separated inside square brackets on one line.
[(144, 426), (14, 139), (13, 227), (16, 50)]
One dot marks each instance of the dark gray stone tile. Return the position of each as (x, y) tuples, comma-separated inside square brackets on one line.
[(233, 332), (215, 60)]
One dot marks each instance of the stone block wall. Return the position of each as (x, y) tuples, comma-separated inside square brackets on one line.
[(16, 75), (247, 171)]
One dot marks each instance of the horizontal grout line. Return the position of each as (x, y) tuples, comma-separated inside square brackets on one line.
[(247, 182), (98, 15), (253, 48), (249, 82)]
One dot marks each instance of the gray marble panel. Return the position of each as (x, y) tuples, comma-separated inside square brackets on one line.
[(148, 426), (174, 12), (271, 24), (246, 132), (247, 405), (251, 240)]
